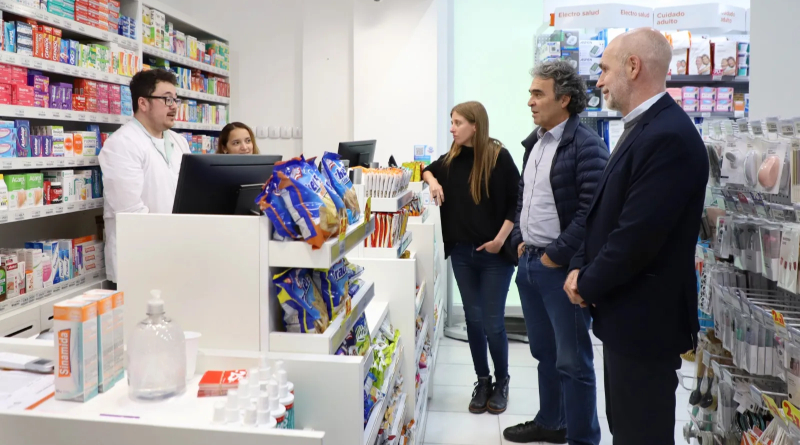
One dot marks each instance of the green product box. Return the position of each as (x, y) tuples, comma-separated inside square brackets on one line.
[(17, 198), (34, 189)]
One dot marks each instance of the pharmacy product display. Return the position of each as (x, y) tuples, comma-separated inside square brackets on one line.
[(43, 264), (22, 140), (709, 99), (51, 187), (200, 143), (26, 37), (160, 33)]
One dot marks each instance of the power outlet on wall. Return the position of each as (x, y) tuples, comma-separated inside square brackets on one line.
[(274, 133), (262, 132), (286, 132), (297, 133)]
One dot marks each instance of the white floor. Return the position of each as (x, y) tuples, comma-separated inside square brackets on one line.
[(449, 422)]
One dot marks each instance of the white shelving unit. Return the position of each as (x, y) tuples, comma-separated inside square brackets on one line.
[(61, 68), (189, 94), (181, 60), (45, 163), (12, 216), (394, 204)]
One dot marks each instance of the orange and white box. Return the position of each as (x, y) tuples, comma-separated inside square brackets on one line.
[(118, 308), (106, 363), (75, 328)]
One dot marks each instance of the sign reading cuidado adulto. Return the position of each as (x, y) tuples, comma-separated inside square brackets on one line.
[(607, 15), (704, 16)]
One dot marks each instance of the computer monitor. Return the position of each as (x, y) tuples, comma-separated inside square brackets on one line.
[(211, 184), (358, 153)]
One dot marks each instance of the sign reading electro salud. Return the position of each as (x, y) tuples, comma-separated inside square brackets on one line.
[(608, 15), (715, 16)]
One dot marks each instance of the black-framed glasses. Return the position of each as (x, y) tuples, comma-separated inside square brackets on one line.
[(168, 100)]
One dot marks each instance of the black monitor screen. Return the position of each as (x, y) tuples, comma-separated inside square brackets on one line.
[(358, 153), (211, 184)]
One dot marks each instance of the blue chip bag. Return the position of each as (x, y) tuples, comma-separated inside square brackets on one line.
[(357, 342), (311, 170), (334, 285), (316, 217), (273, 205), (355, 286), (340, 181), (303, 308)]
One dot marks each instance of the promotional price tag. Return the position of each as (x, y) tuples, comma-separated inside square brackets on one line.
[(772, 406), (792, 413), (778, 319)]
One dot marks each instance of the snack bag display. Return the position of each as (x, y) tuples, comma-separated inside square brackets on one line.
[(358, 341), (303, 308), (353, 270), (371, 397), (311, 208), (334, 284), (340, 180), (311, 170), (273, 205)]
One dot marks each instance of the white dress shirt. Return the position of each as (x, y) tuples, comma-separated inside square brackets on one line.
[(137, 179), (539, 218), (638, 111)]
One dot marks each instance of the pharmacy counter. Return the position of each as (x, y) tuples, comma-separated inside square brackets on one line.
[(122, 421)]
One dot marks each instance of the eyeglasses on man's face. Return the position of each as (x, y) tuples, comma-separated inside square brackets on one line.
[(168, 100)]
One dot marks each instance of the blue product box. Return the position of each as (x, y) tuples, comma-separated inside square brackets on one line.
[(73, 52), (36, 146), (47, 146), (23, 134), (97, 183), (63, 267), (10, 37), (96, 130), (63, 56), (8, 139)]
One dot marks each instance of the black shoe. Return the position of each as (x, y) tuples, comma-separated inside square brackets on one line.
[(531, 432), (480, 396), (498, 402)]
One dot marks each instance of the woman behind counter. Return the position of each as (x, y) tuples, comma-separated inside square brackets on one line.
[(476, 184), (237, 139)]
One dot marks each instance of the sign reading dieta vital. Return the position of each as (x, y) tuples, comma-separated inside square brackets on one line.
[(608, 15), (704, 16)]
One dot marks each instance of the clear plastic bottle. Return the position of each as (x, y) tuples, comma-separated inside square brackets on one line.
[(156, 355)]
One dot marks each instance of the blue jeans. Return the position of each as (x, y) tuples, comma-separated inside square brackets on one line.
[(558, 332), (483, 279)]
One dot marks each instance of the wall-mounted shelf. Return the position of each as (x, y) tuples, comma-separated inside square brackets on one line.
[(61, 68), (213, 98), (184, 61), (44, 163), (16, 111), (13, 216)]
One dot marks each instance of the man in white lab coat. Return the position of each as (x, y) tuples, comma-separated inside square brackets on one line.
[(141, 160)]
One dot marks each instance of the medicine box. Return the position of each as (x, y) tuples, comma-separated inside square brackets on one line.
[(75, 329), (8, 139), (17, 197), (106, 373)]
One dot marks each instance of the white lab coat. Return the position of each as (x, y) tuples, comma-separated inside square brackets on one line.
[(136, 179)]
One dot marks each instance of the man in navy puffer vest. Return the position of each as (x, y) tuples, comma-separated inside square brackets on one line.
[(563, 163)]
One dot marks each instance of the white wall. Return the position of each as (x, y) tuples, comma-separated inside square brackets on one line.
[(266, 61), (398, 66), (772, 87)]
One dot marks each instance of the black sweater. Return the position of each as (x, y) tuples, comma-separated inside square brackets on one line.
[(467, 222)]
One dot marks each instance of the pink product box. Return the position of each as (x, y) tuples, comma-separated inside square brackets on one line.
[(724, 105), (691, 105), (725, 94), (709, 93), (103, 106), (41, 100), (707, 105), (691, 93), (41, 84)]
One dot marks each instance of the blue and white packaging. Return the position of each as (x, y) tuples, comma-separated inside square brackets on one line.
[(8, 139), (63, 267), (23, 134)]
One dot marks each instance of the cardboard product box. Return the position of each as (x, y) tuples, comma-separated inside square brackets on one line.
[(17, 196), (34, 187)]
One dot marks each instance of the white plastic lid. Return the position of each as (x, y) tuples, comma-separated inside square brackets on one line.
[(155, 306), (272, 388), (263, 401), (244, 387), (219, 413), (265, 420), (265, 374), (233, 399), (263, 363), (284, 386), (232, 415), (250, 416)]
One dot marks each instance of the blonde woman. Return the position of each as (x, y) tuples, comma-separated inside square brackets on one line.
[(476, 184)]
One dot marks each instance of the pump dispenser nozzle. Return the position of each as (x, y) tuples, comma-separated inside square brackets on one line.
[(155, 306)]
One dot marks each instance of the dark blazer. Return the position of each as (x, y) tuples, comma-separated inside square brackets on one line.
[(577, 167), (637, 259)]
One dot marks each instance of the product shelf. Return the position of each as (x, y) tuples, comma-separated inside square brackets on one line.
[(300, 254), (690, 79), (61, 68), (65, 24), (397, 426), (197, 126), (601, 114), (329, 341), (376, 418), (44, 163), (185, 61), (182, 92), (12, 216), (417, 187), (16, 111), (421, 219), (704, 114), (389, 252), (52, 293), (391, 205), (422, 405), (420, 297), (420, 341)]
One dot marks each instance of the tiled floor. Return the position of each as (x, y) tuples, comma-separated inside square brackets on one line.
[(449, 422)]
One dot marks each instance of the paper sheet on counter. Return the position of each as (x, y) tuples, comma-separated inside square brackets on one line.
[(21, 390)]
